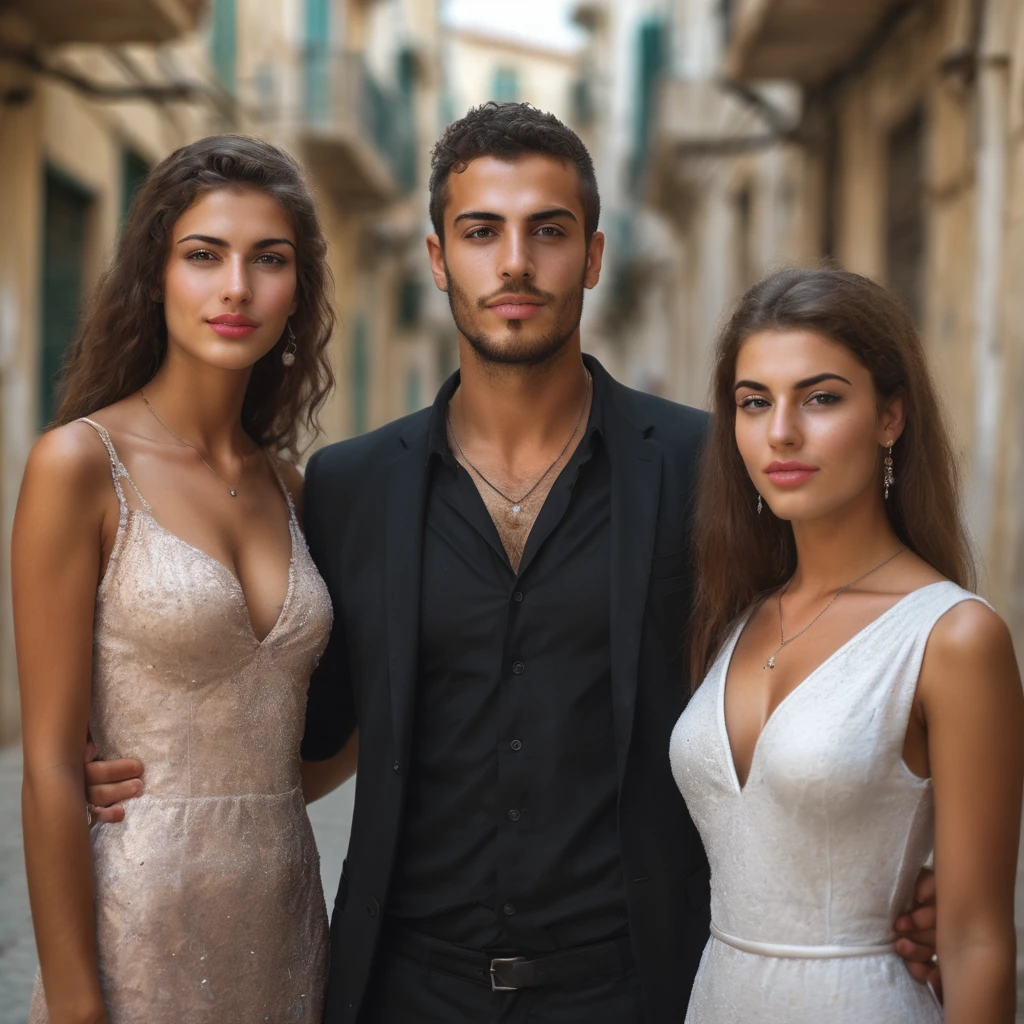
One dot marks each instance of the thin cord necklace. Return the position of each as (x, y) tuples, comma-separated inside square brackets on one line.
[(516, 504), (770, 663), (232, 490)]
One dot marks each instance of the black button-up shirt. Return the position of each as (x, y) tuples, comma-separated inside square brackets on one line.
[(509, 838)]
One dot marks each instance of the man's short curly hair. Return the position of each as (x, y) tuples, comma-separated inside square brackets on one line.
[(509, 131)]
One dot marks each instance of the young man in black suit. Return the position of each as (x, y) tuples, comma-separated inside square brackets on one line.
[(511, 580)]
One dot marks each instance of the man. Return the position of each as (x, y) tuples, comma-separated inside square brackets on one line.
[(510, 578)]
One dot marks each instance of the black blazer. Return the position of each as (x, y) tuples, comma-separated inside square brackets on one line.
[(364, 502)]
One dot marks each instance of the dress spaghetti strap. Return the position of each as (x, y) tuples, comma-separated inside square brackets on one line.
[(117, 468)]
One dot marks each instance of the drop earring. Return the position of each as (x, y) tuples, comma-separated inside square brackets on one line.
[(288, 355), (887, 478), (759, 503)]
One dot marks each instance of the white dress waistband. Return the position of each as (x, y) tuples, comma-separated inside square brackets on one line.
[(799, 952)]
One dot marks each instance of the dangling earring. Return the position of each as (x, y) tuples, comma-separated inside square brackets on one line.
[(288, 355), (759, 503), (887, 478)]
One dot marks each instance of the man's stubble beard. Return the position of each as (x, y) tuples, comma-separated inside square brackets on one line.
[(515, 351)]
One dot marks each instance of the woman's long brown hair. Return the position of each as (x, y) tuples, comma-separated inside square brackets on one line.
[(740, 556), (122, 339)]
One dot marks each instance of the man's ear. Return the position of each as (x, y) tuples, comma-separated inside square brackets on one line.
[(435, 251), (595, 257)]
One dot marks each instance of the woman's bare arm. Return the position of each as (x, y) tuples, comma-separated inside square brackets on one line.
[(970, 690), (56, 551)]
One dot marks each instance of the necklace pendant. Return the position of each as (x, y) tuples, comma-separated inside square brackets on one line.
[(770, 663), (233, 493), (516, 509)]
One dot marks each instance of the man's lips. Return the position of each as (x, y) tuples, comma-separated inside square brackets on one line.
[(516, 307), (789, 474), (232, 325)]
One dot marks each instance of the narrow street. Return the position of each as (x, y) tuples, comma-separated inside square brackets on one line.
[(331, 818)]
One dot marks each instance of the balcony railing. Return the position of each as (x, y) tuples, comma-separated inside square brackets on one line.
[(110, 21), (807, 41), (360, 136)]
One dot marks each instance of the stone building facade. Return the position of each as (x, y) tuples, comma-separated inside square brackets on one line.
[(92, 94), (885, 134)]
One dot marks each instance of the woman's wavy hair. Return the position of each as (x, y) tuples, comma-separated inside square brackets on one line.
[(739, 555), (122, 339)]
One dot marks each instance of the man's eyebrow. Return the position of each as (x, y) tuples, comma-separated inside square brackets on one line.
[(265, 243), (553, 214), (480, 215)]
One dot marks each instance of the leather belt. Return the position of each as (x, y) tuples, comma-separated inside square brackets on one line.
[(508, 973)]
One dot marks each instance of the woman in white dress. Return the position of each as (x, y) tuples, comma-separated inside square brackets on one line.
[(859, 706)]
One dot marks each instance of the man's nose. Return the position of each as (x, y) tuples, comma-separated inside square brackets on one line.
[(516, 259)]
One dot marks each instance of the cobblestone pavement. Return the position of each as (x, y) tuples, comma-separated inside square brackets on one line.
[(331, 818)]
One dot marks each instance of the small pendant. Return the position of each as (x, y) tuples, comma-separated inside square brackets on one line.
[(770, 663), (516, 509), (234, 494)]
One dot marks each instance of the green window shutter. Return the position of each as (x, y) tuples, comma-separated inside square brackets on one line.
[(360, 371), (66, 212), (224, 42), (134, 171), (650, 64), (318, 57), (506, 85)]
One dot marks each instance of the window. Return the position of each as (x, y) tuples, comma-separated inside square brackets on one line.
[(650, 63), (506, 85), (66, 216), (134, 171), (317, 66), (905, 228), (224, 42)]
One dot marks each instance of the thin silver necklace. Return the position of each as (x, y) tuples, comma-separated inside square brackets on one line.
[(232, 490), (770, 663), (516, 504)]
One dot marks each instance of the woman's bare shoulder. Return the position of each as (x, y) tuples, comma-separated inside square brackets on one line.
[(73, 453), (67, 478), (971, 630), (969, 647)]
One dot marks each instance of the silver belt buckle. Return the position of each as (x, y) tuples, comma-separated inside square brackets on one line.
[(495, 987)]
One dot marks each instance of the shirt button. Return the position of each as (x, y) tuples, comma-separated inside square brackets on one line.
[(518, 667), (397, 767), (508, 909), (513, 815), (372, 906), (517, 744), (517, 596)]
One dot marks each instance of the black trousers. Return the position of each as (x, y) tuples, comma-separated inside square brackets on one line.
[(402, 991)]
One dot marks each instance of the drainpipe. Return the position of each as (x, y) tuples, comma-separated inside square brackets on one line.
[(989, 358)]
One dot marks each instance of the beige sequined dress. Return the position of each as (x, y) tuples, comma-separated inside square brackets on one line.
[(209, 907)]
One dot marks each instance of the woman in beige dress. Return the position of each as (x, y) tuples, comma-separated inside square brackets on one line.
[(166, 604)]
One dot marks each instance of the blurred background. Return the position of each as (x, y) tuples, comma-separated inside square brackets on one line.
[(730, 137)]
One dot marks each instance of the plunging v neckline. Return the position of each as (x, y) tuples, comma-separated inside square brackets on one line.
[(727, 663), (236, 583)]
